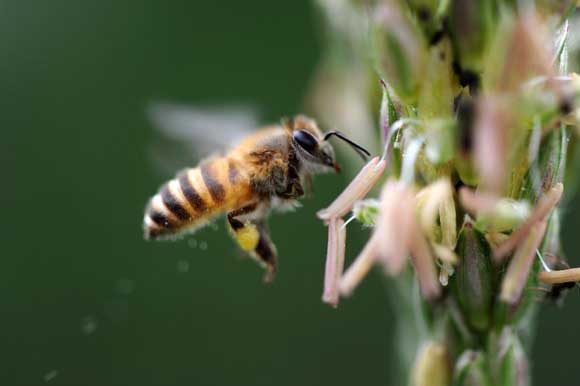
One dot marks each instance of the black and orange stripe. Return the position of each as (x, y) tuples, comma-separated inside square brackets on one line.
[(193, 196), (215, 188)]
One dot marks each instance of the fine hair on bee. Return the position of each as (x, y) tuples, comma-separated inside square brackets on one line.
[(269, 169)]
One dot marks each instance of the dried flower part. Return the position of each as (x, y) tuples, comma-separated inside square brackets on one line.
[(359, 268), (395, 225), (491, 130), (545, 204), (424, 265), (334, 261), (356, 190), (431, 367), (560, 276), (473, 282), (519, 268)]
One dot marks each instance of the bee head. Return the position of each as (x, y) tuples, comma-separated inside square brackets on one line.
[(312, 145)]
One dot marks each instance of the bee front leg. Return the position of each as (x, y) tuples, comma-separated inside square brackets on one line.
[(250, 232)]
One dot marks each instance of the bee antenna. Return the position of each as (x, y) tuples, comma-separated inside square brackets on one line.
[(364, 153)]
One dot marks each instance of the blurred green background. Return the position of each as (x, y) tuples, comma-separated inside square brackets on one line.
[(85, 301)]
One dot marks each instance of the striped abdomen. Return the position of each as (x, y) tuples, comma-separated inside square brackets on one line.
[(196, 195)]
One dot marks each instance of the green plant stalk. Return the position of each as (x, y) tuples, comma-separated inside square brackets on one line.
[(441, 64)]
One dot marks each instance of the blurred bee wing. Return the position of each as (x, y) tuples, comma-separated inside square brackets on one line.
[(187, 134)]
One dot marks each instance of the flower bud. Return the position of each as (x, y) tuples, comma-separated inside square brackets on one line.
[(440, 146), (438, 86), (431, 367), (428, 17), (517, 54), (471, 370), (473, 281), (400, 50), (548, 168), (513, 365), (471, 24)]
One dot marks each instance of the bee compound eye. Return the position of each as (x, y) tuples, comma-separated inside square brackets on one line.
[(305, 140)]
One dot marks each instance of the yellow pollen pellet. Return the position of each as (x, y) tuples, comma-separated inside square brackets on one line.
[(248, 237)]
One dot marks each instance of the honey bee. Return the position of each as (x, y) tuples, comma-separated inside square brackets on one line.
[(268, 169)]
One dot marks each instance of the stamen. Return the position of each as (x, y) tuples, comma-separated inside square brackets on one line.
[(560, 276), (424, 266), (491, 130), (334, 261), (356, 190), (435, 202), (359, 268), (517, 273), (395, 225)]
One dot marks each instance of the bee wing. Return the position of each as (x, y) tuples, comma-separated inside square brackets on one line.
[(186, 134)]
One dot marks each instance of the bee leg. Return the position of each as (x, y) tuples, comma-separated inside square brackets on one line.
[(245, 232), (294, 188), (251, 234), (265, 253)]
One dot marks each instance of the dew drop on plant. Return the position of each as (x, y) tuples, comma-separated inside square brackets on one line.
[(192, 243), (203, 246)]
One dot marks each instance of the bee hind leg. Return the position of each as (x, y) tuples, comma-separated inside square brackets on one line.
[(265, 253), (251, 234)]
